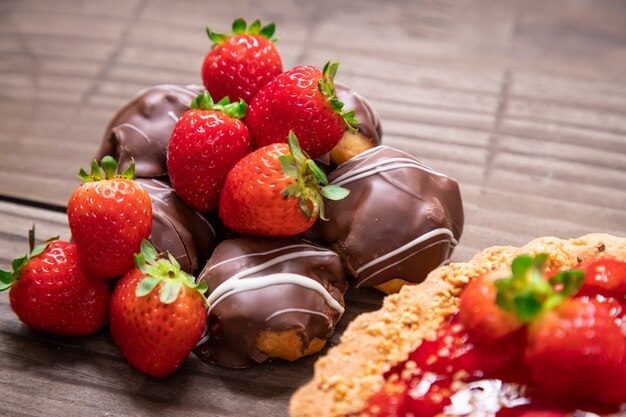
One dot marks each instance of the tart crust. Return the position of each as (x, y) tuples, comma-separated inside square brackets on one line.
[(353, 371)]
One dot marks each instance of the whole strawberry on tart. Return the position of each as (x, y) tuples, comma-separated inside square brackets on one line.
[(515, 332)]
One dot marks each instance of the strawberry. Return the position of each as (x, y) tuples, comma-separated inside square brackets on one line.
[(480, 314), (275, 191), (158, 313), (578, 351), (304, 100), (574, 348), (52, 291), (604, 276), (109, 216), (239, 65), (205, 144)]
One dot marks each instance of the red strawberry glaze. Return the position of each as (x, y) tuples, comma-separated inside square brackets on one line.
[(455, 375)]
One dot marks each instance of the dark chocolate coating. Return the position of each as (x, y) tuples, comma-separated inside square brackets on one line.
[(236, 322), (386, 211), (177, 228), (142, 128), (369, 122)]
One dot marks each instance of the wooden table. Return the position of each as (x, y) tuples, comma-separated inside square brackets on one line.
[(524, 102)]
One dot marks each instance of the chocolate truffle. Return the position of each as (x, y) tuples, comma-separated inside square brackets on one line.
[(177, 228), (142, 128), (400, 221), (270, 298), (369, 132)]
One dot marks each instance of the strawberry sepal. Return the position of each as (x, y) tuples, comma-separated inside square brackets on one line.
[(204, 101), (326, 86), (161, 270), (241, 27), (109, 169), (527, 294), (311, 183)]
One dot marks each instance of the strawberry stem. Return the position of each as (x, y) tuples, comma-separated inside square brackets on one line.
[(326, 86), (204, 101), (160, 270), (311, 182), (8, 278), (527, 294)]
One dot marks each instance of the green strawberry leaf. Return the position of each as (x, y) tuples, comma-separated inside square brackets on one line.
[(527, 293), (217, 38), (202, 287), (204, 101), (173, 260), (239, 26), (288, 165), (335, 192), (268, 30), (129, 173), (146, 286), (166, 270), (319, 174), (6, 280), (149, 252), (326, 86), (140, 262), (527, 306), (255, 27), (109, 166), (569, 281), (169, 291), (311, 182), (294, 147), (38, 250)]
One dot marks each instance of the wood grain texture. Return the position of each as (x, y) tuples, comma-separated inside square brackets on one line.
[(524, 102)]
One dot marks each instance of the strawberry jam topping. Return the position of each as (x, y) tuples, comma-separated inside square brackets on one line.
[(459, 374)]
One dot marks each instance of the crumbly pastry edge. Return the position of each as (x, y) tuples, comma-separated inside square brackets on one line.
[(353, 370)]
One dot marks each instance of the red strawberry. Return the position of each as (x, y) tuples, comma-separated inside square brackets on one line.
[(239, 65), (578, 351), (206, 143), (575, 348), (158, 314), (275, 191), (605, 277), (302, 99), (480, 314), (51, 291), (108, 217)]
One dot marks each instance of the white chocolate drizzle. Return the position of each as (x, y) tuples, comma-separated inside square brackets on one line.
[(382, 165), (414, 242), (236, 283)]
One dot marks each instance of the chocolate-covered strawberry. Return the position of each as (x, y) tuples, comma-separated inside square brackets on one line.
[(109, 215), (206, 143), (302, 100), (50, 290), (158, 313), (276, 191), (240, 64)]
